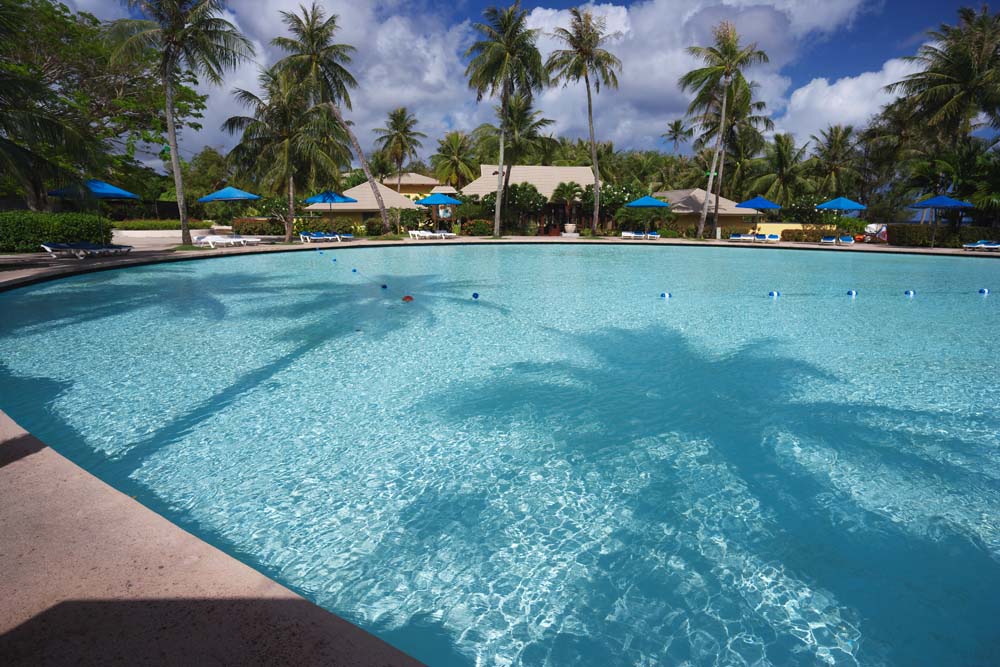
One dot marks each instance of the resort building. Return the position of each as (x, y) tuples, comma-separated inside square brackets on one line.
[(413, 185), (687, 205), (545, 179), (366, 206)]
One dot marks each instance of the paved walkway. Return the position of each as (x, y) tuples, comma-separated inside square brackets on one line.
[(90, 576)]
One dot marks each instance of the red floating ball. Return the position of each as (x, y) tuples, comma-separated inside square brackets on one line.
[(407, 298)]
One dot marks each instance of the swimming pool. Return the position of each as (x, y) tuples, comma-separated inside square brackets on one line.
[(568, 469)]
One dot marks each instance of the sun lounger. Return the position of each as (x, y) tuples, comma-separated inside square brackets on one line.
[(345, 237), (317, 237), (773, 238), (246, 240), (81, 250), (846, 240), (992, 245), (761, 238), (445, 234), (978, 245), (653, 235), (742, 238), (217, 241), (630, 235), (828, 240)]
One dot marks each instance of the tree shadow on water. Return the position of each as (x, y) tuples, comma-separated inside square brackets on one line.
[(635, 387)]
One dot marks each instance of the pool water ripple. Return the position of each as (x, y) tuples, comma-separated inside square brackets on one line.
[(568, 470)]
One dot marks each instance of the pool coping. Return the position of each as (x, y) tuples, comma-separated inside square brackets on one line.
[(81, 557)]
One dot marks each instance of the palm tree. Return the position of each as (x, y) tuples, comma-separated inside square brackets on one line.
[(399, 140), (523, 131), (504, 61), (834, 160), (567, 194), (784, 168), (184, 35), (960, 74), (723, 71), (678, 132), (315, 59), (285, 139), (584, 58), (454, 163)]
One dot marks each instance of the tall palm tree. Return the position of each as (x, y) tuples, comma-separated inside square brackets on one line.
[(960, 75), (567, 194), (522, 131), (724, 64), (315, 59), (399, 140), (184, 35), (834, 161), (286, 140), (504, 61), (784, 174), (677, 132), (454, 163), (584, 57)]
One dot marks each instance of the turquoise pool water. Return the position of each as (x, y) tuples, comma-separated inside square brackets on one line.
[(568, 470)]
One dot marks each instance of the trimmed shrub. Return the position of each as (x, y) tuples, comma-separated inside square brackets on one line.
[(258, 227), (478, 228), (919, 236), (323, 224), (24, 231), (805, 235), (152, 225)]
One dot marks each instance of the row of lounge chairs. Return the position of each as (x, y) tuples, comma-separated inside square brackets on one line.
[(218, 241), (982, 244), (424, 234), (81, 250), (835, 240), (324, 237), (639, 236), (755, 238)]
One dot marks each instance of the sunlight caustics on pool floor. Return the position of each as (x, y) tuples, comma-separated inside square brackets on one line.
[(568, 469)]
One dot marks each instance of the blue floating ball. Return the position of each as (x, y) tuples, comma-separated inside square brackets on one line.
[(354, 270), (774, 294), (984, 291), (475, 295), (385, 287), (852, 292), (663, 295), (334, 259), (910, 292), (319, 251)]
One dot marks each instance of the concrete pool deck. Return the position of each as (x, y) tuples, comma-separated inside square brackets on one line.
[(91, 576)]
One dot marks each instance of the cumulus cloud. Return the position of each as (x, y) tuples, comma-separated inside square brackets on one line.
[(851, 100), (405, 57)]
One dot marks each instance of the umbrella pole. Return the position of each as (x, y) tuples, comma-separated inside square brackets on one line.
[(933, 226)]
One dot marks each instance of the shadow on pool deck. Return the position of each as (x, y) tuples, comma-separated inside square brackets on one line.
[(245, 631)]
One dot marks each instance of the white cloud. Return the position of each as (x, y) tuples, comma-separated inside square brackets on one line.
[(405, 57), (851, 100)]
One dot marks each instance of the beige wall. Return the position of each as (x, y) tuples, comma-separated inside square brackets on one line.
[(778, 227)]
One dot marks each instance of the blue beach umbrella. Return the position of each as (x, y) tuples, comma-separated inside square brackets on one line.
[(436, 200), (942, 202), (841, 204), (228, 193), (759, 203), (647, 202), (94, 189), (330, 197)]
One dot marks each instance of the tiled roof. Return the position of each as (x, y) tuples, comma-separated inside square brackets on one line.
[(366, 200), (545, 179)]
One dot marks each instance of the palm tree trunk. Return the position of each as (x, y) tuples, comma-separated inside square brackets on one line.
[(399, 189), (718, 187), (503, 133), (715, 159), (364, 166), (290, 220), (593, 157), (175, 160)]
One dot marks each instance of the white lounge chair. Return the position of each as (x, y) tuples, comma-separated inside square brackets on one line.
[(846, 240), (633, 235), (773, 238), (215, 241), (828, 240), (246, 240), (446, 234)]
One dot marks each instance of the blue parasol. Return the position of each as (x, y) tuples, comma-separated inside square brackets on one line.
[(759, 203), (841, 204), (228, 193), (941, 201), (647, 202)]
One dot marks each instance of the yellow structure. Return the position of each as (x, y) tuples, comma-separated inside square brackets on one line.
[(412, 185)]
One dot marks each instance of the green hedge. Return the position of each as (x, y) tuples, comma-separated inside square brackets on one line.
[(258, 227), (914, 235), (478, 228), (324, 224), (24, 231), (806, 235)]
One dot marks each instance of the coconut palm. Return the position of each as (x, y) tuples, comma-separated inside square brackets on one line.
[(504, 61), (399, 140), (678, 132), (184, 35), (834, 161), (960, 75), (321, 64), (522, 131), (454, 163), (723, 72), (567, 194), (585, 58), (784, 174), (286, 140)]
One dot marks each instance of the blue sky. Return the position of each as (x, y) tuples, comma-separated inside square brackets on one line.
[(830, 60)]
